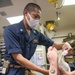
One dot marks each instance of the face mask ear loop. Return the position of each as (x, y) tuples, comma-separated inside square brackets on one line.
[(32, 22), (29, 15)]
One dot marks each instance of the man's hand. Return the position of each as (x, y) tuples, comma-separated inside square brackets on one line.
[(67, 46), (47, 72)]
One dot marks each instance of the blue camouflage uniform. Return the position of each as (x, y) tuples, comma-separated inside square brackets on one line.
[(17, 40)]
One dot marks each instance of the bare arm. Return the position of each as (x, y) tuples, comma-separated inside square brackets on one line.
[(63, 72), (64, 46), (58, 46), (72, 73), (26, 63)]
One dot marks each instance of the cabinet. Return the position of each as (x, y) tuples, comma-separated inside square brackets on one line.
[(2, 52)]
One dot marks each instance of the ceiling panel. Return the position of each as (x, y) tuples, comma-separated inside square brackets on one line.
[(67, 13)]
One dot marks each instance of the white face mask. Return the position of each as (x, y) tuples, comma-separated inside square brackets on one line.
[(32, 22)]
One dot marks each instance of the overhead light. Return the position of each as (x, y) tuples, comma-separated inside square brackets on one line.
[(57, 15), (57, 3), (69, 2), (52, 0), (50, 25), (58, 18), (15, 19)]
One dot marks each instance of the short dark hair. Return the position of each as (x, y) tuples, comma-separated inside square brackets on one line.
[(31, 6)]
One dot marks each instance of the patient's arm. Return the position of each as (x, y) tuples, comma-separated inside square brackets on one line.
[(53, 61), (64, 72)]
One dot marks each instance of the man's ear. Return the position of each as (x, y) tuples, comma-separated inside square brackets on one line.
[(25, 12)]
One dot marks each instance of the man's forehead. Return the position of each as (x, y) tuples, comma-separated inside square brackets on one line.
[(37, 11)]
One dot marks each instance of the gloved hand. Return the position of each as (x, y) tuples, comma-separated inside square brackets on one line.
[(67, 46)]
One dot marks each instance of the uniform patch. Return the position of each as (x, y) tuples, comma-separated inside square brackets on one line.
[(21, 30), (35, 41)]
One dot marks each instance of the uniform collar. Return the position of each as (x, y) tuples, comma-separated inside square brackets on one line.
[(21, 27), (23, 30), (32, 35)]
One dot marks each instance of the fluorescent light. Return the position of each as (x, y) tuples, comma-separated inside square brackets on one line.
[(58, 18), (69, 2), (15, 19)]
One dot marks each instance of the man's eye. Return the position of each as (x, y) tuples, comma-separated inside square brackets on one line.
[(36, 17)]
